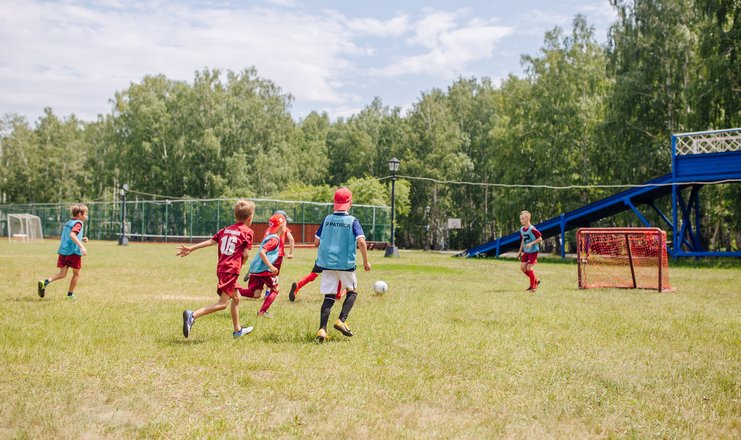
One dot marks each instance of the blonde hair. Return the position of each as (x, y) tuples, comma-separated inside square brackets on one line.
[(77, 209), (527, 213), (243, 210)]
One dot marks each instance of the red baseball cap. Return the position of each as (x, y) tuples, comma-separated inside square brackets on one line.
[(274, 223), (342, 199)]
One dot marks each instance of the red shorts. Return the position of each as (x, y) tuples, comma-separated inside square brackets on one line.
[(529, 258), (257, 282), (227, 283), (74, 261)]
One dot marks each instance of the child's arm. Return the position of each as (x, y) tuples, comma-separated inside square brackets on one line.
[(245, 255), (184, 250), (289, 239), (264, 257), (534, 242), (364, 252), (522, 241), (77, 241)]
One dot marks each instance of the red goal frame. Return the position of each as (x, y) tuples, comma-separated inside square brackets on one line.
[(629, 258)]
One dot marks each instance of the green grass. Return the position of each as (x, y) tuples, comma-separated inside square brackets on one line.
[(455, 349)]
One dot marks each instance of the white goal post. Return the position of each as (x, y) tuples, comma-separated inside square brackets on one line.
[(24, 227)]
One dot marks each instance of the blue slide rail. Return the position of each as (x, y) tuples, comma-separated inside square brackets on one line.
[(584, 217), (698, 159)]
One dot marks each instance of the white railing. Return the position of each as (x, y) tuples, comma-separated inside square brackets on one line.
[(708, 142)]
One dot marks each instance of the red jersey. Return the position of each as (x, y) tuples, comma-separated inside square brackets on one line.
[(282, 250), (232, 241)]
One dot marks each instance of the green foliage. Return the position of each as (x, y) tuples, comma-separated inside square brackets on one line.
[(583, 114)]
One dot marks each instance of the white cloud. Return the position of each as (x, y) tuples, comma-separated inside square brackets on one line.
[(48, 46), (73, 55), (451, 45), (371, 26)]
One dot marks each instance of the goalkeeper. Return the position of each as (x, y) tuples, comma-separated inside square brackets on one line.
[(529, 247)]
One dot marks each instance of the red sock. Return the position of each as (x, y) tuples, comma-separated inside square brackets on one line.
[(306, 280), (533, 281), (268, 302)]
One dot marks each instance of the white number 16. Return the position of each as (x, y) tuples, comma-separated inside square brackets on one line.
[(228, 245)]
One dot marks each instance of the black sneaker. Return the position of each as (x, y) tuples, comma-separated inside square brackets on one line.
[(292, 293), (42, 289)]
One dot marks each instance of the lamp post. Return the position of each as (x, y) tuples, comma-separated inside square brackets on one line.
[(391, 251), (123, 240)]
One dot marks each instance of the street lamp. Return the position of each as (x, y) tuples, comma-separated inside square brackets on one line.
[(123, 240), (391, 251)]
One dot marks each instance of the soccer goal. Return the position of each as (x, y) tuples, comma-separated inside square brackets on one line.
[(24, 227), (631, 258)]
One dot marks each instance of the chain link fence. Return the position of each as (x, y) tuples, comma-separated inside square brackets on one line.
[(192, 219)]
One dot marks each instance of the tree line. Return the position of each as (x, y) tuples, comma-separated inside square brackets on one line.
[(582, 114)]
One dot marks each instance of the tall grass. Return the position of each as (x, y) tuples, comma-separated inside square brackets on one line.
[(455, 349)]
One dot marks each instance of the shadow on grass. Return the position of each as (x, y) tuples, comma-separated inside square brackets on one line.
[(29, 298), (297, 338), (181, 341)]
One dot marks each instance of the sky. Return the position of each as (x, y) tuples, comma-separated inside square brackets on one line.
[(331, 56)]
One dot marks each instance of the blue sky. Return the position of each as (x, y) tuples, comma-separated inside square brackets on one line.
[(332, 56)]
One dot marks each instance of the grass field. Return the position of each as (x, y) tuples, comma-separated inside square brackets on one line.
[(456, 349)]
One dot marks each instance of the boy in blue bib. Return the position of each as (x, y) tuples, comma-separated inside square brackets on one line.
[(529, 247), (71, 250), (338, 238)]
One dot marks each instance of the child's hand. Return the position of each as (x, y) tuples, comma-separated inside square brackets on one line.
[(83, 250), (84, 239), (367, 266), (183, 251), (289, 256), (273, 270), (527, 246)]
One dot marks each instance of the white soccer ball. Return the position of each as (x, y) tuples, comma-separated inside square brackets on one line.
[(380, 287)]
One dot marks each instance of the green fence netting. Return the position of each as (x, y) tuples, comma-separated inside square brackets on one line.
[(191, 219)]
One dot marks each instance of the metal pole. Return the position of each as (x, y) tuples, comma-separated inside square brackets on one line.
[(391, 251), (630, 260), (122, 240)]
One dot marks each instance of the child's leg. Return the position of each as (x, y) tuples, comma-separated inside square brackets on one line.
[(57, 276), (530, 274), (221, 305), (329, 300), (306, 280), (523, 267), (73, 280), (254, 287), (348, 304), (330, 280), (268, 300), (235, 312)]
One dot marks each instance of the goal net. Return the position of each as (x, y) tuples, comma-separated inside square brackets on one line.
[(24, 227), (631, 258)]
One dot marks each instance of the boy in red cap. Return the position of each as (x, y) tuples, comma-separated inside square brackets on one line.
[(263, 269), (287, 237), (338, 238), (234, 242)]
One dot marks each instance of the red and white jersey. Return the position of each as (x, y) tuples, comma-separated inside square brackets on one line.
[(232, 241)]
